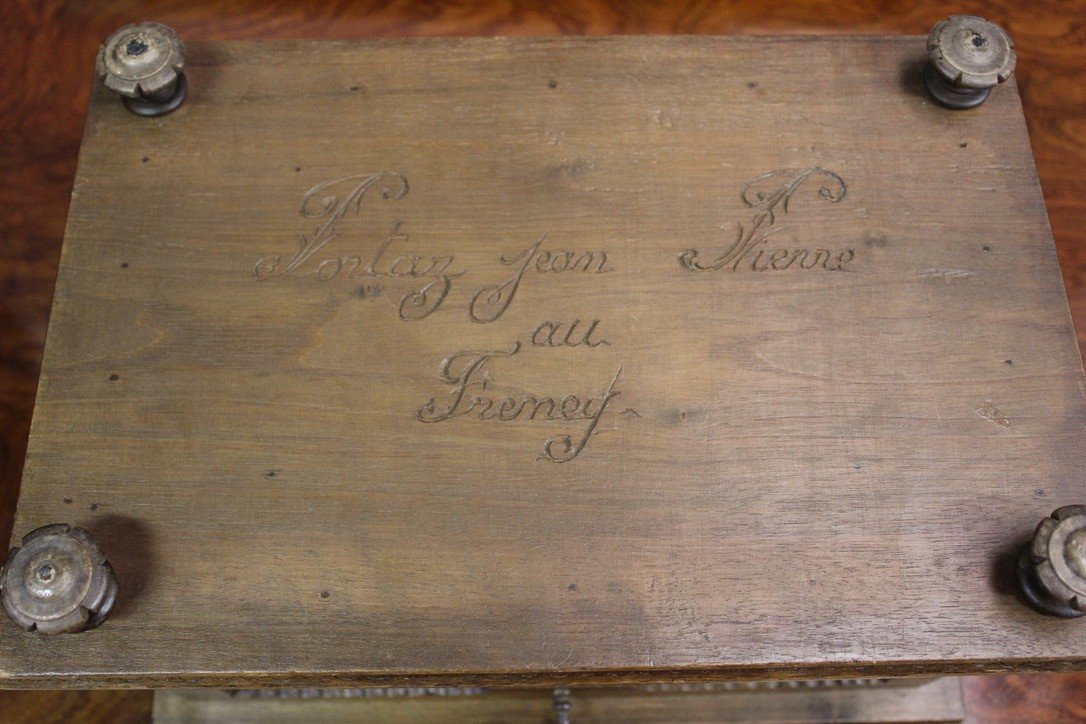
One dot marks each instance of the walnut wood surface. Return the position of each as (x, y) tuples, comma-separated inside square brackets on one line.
[(48, 50)]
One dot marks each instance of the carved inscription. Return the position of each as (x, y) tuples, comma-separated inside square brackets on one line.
[(490, 302), (329, 202), (467, 377), (767, 195), (567, 334)]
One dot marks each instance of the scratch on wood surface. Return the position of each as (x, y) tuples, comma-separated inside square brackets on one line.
[(992, 414), (996, 167), (946, 274)]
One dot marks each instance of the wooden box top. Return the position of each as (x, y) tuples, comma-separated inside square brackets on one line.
[(555, 360)]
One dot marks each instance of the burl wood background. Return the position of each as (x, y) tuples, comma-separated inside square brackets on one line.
[(47, 50)]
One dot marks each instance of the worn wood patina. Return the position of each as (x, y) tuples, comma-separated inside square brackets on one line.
[(555, 361)]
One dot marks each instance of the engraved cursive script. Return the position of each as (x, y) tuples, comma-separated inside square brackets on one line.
[(490, 302), (329, 202), (467, 384), (330, 208), (467, 375), (767, 195), (567, 334)]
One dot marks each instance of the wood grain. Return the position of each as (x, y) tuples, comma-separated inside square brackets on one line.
[(216, 403), (44, 81)]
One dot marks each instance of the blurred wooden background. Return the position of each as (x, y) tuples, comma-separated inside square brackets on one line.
[(47, 52)]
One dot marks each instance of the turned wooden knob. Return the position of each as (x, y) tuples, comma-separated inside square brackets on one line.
[(58, 581), (967, 57), (1052, 568), (143, 63)]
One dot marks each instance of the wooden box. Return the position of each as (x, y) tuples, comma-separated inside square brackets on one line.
[(554, 362)]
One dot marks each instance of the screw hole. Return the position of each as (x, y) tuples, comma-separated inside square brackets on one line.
[(135, 47)]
